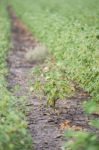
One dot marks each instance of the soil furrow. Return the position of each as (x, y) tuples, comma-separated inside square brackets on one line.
[(45, 136)]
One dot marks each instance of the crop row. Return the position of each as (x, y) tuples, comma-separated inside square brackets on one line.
[(12, 122), (70, 30)]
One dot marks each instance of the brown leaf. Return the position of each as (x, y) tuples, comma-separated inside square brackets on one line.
[(65, 125)]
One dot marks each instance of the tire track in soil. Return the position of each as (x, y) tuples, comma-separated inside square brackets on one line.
[(43, 123)]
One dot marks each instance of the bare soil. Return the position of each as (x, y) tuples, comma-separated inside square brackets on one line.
[(45, 125)]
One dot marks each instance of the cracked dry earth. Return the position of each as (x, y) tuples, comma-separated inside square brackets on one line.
[(45, 125)]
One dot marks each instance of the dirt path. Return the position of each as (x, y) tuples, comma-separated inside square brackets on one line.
[(46, 127)]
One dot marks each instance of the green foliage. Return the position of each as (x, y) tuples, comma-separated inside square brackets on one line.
[(52, 83), (13, 127), (70, 33), (82, 141), (70, 29), (91, 107)]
